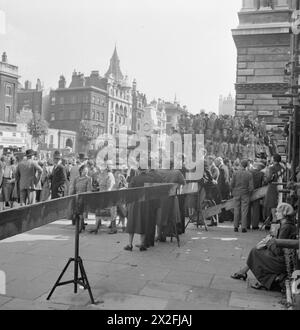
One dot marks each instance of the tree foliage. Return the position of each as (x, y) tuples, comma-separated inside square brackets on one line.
[(87, 132), (38, 128)]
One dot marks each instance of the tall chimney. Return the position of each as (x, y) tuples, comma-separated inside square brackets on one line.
[(4, 57)]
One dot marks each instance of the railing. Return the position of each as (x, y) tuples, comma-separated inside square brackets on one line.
[(10, 69), (20, 220)]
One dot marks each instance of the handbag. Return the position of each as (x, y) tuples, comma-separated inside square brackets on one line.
[(263, 244)]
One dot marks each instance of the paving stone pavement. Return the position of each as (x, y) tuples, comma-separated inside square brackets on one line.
[(195, 276)]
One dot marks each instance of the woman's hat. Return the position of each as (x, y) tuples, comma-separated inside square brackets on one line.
[(286, 209), (83, 156), (29, 153), (57, 155)]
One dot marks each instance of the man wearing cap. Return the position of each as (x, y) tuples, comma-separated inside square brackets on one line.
[(58, 177), (242, 187), (28, 174)]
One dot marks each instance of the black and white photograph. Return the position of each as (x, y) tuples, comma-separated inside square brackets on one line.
[(149, 158)]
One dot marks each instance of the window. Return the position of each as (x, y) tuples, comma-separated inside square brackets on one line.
[(169, 119), (73, 99), (111, 130), (51, 140), (61, 100), (52, 100), (86, 114), (112, 106), (73, 114), (116, 118), (102, 117), (7, 113), (111, 117), (52, 116), (94, 99), (125, 111), (120, 120), (8, 90), (123, 120), (93, 115)]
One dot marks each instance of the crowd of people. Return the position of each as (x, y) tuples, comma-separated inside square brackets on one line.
[(229, 136), (25, 180)]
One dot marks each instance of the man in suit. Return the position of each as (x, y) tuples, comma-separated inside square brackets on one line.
[(58, 177), (28, 174), (242, 187)]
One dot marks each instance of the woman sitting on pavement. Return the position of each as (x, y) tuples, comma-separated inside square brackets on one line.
[(267, 261)]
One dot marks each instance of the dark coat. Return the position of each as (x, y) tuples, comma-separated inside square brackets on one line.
[(258, 178), (269, 263), (139, 213), (58, 180), (271, 198)]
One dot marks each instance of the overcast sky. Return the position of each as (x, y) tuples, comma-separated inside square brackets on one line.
[(181, 47)]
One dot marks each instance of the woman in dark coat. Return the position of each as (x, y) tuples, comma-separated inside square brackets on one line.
[(276, 172), (267, 261), (139, 213)]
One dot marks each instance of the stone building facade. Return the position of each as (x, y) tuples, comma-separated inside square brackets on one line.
[(119, 96), (227, 105), (139, 103), (263, 51), (8, 90)]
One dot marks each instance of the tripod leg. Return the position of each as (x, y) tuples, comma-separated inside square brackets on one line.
[(60, 277), (85, 280)]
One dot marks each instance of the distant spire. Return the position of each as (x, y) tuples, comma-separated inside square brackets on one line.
[(114, 68)]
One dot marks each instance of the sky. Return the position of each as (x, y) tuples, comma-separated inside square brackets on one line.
[(171, 47)]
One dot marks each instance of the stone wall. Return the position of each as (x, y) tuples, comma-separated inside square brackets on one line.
[(262, 54)]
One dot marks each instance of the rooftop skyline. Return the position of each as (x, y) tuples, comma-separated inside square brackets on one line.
[(170, 47)]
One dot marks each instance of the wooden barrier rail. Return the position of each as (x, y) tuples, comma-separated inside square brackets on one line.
[(20, 220)]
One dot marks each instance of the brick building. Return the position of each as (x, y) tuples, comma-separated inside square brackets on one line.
[(8, 90), (84, 99), (30, 98), (263, 45)]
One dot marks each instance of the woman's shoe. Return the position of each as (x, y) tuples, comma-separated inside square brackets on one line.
[(113, 231), (238, 276), (143, 248), (258, 286), (128, 248)]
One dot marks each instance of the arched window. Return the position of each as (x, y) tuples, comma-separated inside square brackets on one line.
[(69, 143), (125, 111)]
